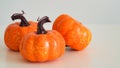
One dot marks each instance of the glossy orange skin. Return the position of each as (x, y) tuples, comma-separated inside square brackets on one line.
[(42, 47), (76, 35), (14, 33)]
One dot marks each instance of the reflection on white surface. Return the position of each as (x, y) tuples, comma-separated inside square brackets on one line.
[(70, 59), (103, 52)]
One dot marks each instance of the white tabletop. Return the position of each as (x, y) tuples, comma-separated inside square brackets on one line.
[(102, 52)]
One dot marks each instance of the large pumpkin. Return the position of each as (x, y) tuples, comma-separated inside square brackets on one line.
[(16, 31), (42, 45), (76, 35)]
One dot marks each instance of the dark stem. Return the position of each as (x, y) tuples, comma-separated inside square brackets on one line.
[(20, 16), (40, 28), (67, 45)]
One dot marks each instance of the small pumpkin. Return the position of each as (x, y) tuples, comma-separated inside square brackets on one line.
[(16, 31), (76, 35), (43, 45)]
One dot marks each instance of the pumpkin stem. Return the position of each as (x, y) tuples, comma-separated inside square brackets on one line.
[(40, 28), (20, 16)]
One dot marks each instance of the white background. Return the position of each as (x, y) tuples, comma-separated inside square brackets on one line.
[(87, 11), (100, 16)]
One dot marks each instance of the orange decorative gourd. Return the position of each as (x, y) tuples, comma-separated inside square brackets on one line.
[(16, 31), (76, 35), (42, 45)]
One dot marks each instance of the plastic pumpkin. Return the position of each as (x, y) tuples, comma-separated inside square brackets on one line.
[(76, 35), (42, 45), (17, 30)]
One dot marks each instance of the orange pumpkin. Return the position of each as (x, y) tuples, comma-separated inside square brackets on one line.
[(42, 45), (16, 31), (76, 35)]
